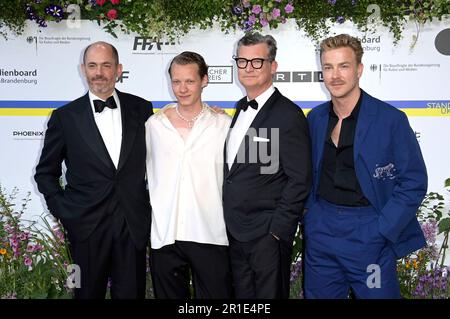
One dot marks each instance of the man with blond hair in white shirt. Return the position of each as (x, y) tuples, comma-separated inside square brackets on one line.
[(184, 166)]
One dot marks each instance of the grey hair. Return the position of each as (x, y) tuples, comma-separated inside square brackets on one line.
[(257, 38)]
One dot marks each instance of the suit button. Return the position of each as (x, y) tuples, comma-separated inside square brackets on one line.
[(229, 181)]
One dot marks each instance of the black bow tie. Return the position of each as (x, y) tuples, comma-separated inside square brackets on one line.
[(252, 103), (99, 105)]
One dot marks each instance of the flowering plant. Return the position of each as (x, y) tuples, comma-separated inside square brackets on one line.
[(33, 260), (175, 18), (254, 15), (423, 274)]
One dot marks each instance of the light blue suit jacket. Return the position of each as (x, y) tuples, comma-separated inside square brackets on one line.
[(389, 167)]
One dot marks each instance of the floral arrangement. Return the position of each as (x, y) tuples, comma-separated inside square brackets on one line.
[(33, 261), (254, 15), (175, 18)]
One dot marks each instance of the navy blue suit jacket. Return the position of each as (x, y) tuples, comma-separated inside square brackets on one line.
[(389, 166)]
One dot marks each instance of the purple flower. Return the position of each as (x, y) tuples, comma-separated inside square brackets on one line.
[(28, 261), (30, 248), (332, 2), (354, 2), (276, 13), (31, 14), (263, 22), (247, 26), (252, 19), (246, 3), (55, 11), (11, 295), (289, 8), (237, 10), (430, 229), (340, 19), (278, 1), (41, 22), (24, 236), (256, 9)]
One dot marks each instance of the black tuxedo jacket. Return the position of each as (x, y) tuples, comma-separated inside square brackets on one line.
[(93, 182), (257, 203)]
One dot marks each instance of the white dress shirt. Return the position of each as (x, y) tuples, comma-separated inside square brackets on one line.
[(109, 123), (242, 125), (185, 179)]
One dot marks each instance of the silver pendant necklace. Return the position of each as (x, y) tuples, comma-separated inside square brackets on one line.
[(190, 122)]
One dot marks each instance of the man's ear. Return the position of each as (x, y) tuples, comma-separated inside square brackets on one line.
[(360, 69), (205, 81), (119, 70), (273, 67)]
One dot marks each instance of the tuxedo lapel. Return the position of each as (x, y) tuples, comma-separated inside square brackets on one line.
[(89, 132), (129, 128)]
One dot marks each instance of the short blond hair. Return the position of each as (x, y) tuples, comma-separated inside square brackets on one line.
[(342, 41)]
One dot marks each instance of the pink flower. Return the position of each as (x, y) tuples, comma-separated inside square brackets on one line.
[(276, 13), (24, 236), (115, 2), (112, 14), (289, 8), (256, 9), (263, 22), (28, 261), (30, 248), (100, 2)]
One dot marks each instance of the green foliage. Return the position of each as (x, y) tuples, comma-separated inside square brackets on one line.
[(423, 274), (173, 19), (33, 259), (12, 17)]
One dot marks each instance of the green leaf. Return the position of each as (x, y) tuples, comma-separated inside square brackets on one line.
[(444, 225), (447, 182)]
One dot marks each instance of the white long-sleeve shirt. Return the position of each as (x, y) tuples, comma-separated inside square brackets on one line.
[(185, 179)]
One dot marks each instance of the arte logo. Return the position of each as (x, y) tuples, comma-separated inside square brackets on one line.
[(298, 76), (144, 45)]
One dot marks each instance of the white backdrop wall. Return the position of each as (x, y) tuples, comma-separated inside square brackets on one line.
[(39, 71)]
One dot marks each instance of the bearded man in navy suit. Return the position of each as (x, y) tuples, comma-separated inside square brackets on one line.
[(104, 207)]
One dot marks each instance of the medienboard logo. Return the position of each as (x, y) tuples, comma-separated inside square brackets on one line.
[(144, 45), (298, 76), (220, 74), (15, 76)]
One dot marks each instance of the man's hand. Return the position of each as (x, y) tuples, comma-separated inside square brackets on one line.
[(218, 110)]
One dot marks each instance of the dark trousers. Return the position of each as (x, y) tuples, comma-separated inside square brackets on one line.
[(110, 253), (209, 265), (261, 267)]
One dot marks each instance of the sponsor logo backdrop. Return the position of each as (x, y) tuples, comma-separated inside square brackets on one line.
[(39, 71)]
